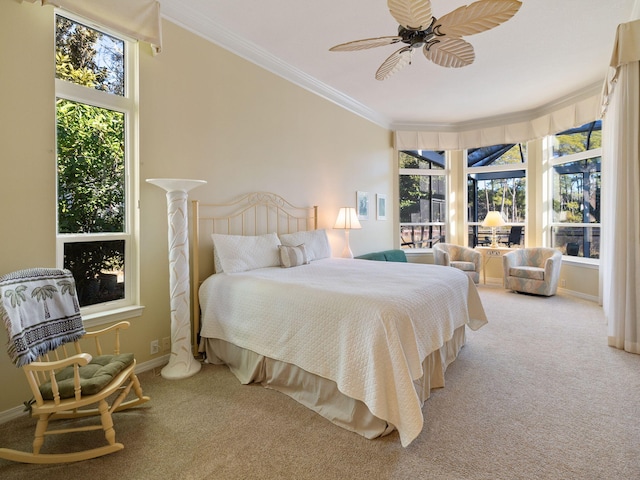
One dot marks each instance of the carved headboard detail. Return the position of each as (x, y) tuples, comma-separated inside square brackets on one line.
[(255, 213)]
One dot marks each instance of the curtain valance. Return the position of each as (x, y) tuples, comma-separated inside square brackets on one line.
[(626, 49), (139, 19), (575, 114)]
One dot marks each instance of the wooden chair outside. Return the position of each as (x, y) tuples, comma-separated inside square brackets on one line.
[(515, 236), (65, 381)]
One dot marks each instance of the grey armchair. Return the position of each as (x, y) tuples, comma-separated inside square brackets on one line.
[(464, 258), (532, 270)]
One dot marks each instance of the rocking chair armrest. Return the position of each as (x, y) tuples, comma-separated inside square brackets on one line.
[(116, 326), (81, 359)]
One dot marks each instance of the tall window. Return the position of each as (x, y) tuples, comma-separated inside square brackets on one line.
[(95, 134), (575, 190), (496, 181), (423, 212)]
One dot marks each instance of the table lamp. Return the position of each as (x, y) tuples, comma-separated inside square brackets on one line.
[(347, 220), (493, 220)]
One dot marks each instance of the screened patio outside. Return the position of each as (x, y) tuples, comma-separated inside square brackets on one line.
[(496, 181)]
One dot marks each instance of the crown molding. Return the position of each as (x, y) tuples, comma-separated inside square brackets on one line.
[(186, 17), (182, 14)]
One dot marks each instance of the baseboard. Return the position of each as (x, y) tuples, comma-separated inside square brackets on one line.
[(151, 364), (492, 281), (497, 282), (584, 296), (12, 413), (18, 411)]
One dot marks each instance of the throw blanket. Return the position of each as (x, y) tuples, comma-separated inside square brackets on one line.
[(40, 311)]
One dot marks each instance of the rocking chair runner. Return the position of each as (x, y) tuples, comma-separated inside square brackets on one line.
[(40, 311)]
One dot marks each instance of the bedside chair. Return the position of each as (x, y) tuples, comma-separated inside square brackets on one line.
[(39, 308), (464, 258), (532, 270)]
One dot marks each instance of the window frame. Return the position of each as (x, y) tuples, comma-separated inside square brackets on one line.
[(427, 172), (554, 161), (126, 104), (497, 169)]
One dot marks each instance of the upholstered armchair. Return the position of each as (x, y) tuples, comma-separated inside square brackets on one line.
[(466, 259), (532, 270)]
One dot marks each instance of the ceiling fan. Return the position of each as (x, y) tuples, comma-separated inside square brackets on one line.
[(439, 38)]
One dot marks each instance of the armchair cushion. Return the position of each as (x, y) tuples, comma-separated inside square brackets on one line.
[(93, 377), (464, 266), (532, 273)]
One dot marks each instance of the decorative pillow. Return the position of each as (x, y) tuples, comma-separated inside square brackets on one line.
[(315, 242), (239, 253), (216, 261), (293, 256)]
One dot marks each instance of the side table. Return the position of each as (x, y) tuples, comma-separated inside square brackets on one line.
[(489, 253)]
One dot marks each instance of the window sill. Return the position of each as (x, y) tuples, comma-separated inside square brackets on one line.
[(110, 316), (417, 251), (581, 261)]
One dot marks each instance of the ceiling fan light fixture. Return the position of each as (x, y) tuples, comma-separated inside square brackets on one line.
[(449, 50)]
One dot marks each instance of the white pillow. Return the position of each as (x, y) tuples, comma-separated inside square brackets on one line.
[(293, 256), (239, 253), (315, 242)]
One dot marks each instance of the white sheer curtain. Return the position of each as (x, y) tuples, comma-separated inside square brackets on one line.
[(620, 262)]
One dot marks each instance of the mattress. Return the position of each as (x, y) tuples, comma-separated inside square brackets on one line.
[(366, 326)]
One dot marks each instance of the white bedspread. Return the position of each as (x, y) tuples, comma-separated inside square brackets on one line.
[(366, 325)]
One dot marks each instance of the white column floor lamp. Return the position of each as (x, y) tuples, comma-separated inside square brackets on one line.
[(181, 364)]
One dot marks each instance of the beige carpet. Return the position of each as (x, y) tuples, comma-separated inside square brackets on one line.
[(535, 394)]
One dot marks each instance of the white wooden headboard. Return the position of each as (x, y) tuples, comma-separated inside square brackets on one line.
[(255, 213)]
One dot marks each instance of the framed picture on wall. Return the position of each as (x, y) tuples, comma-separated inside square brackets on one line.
[(362, 205), (381, 206)]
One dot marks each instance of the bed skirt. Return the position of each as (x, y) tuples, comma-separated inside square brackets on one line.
[(321, 394)]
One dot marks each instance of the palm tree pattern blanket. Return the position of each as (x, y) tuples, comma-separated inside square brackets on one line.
[(40, 311)]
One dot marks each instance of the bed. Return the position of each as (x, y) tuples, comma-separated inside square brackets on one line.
[(362, 343)]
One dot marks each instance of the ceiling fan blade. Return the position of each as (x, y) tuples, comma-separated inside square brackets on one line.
[(412, 14), (394, 63), (476, 18), (366, 43), (450, 52)]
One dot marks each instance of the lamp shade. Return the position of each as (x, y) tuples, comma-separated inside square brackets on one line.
[(347, 219), (493, 219)]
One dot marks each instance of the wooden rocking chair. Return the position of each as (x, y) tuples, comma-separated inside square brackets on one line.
[(40, 311)]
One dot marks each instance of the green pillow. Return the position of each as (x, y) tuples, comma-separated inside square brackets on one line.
[(385, 256), (94, 376), (379, 256), (395, 256)]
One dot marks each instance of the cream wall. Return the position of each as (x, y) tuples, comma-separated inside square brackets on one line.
[(27, 181), (204, 113)]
